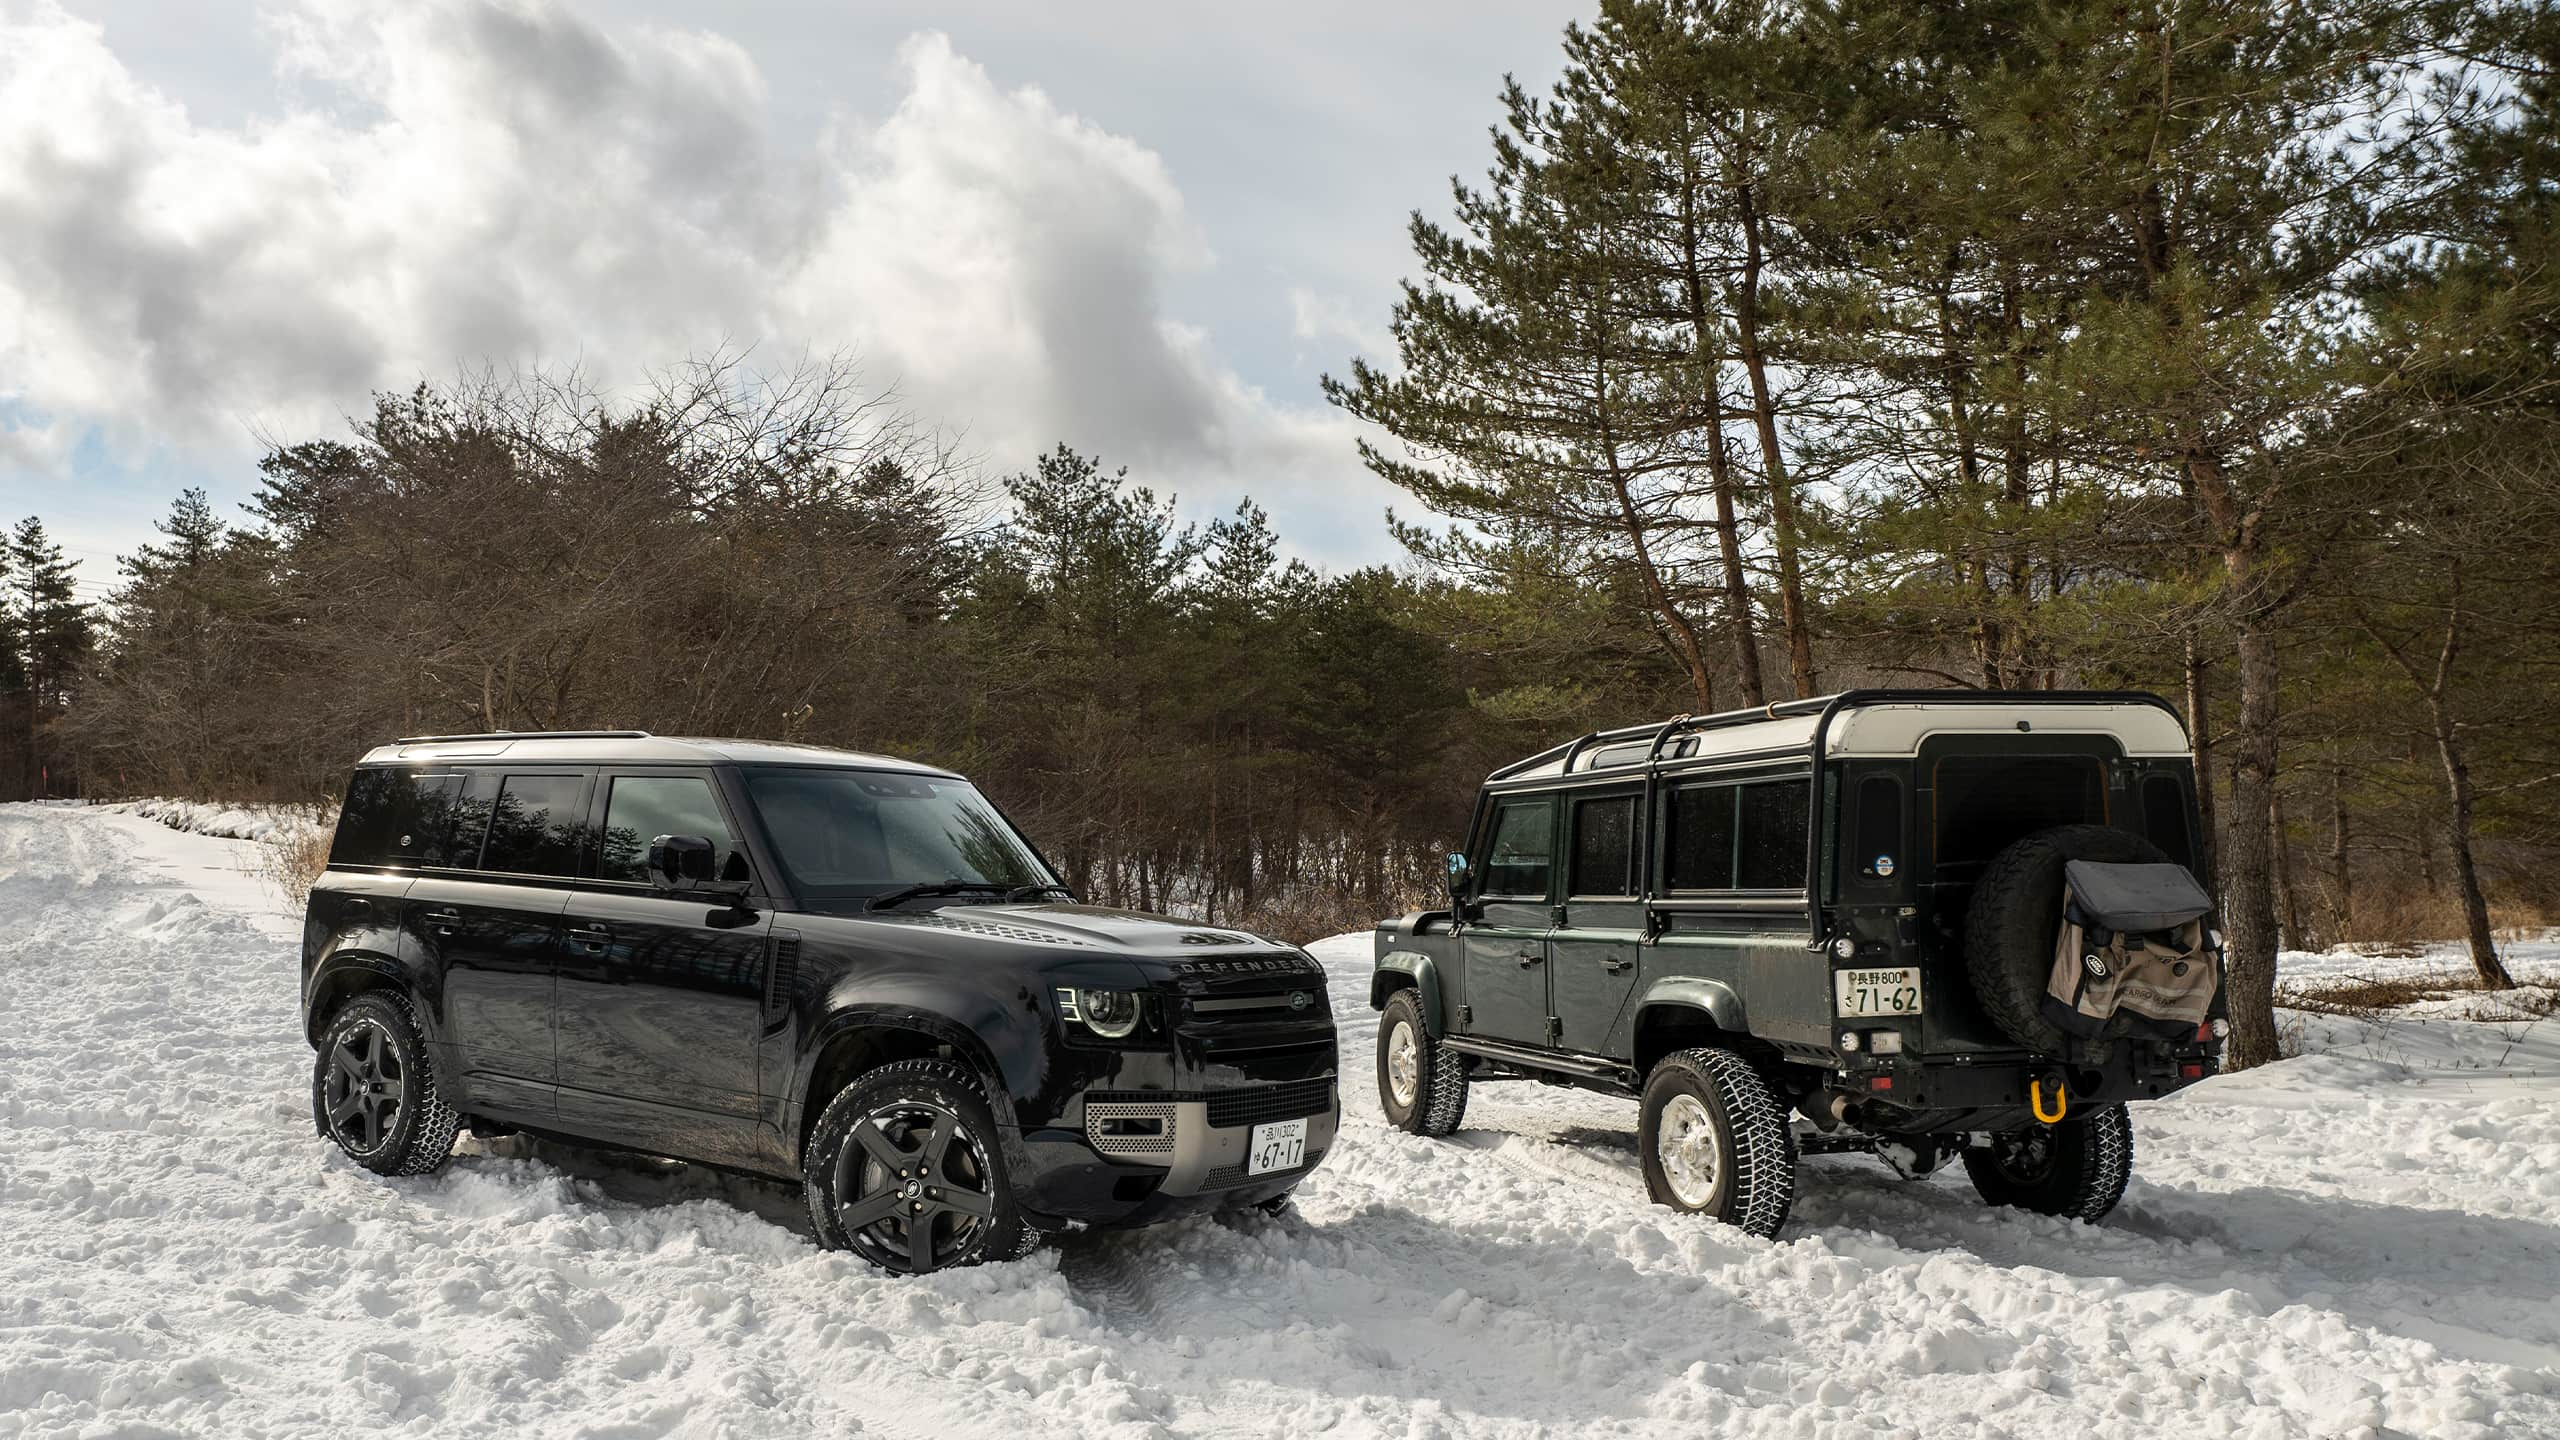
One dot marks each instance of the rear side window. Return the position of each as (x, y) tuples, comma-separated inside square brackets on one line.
[(1523, 848), (2164, 818), (640, 808), (1604, 844), (1737, 837), (395, 817), (1879, 851), (519, 824)]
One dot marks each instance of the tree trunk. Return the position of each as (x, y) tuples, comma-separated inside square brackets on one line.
[(2200, 744), (2288, 893), (1764, 416), (2248, 894), (1702, 325), (2341, 897)]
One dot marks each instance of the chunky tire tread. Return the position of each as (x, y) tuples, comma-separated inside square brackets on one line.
[(1440, 1092), (1762, 1144), (2016, 912), (428, 1123), (1011, 1239), (2093, 1162)]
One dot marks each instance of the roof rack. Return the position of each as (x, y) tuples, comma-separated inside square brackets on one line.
[(527, 735)]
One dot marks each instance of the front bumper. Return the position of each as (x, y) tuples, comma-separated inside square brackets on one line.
[(1139, 1157)]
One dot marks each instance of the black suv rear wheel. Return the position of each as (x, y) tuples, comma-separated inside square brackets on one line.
[(1421, 1084), (1715, 1141), (373, 1089), (2077, 1169), (905, 1170)]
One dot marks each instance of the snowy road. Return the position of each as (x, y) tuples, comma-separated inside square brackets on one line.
[(2359, 1243)]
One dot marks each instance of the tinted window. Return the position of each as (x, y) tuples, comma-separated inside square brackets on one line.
[(640, 808), (1986, 801), (1523, 848), (533, 825), (1698, 840), (394, 817), (1773, 837), (2164, 817), (1604, 843), (1879, 824)]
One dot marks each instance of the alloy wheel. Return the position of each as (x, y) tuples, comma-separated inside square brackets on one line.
[(1685, 1142), (911, 1187), (366, 1089)]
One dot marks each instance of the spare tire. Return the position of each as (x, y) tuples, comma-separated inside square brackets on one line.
[(2016, 916)]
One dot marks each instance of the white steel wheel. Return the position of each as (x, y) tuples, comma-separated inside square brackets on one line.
[(1715, 1142), (1690, 1152), (1404, 1062)]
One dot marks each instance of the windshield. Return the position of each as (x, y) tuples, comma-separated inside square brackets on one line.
[(865, 832)]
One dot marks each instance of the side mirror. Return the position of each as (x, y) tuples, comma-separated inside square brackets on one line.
[(1457, 876), (688, 864)]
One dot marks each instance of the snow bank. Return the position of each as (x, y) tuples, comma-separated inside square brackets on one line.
[(2337, 1246), (226, 822)]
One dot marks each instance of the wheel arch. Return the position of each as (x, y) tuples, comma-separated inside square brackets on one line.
[(858, 1039), (347, 975), (1410, 970), (1675, 1014)]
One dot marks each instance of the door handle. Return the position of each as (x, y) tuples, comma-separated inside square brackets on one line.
[(1617, 964), (444, 920), (594, 937), (1531, 957), (356, 908)]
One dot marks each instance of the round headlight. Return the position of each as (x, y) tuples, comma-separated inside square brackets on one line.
[(1111, 1014)]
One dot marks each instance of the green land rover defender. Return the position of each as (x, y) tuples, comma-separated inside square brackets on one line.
[(1918, 923)]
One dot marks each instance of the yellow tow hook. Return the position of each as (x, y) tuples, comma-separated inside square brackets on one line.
[(2061, 1100)]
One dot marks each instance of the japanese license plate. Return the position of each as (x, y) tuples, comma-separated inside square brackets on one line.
[(1878, 992), (1278, 1145)]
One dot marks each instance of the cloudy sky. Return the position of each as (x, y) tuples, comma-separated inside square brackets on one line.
[(1143, 229)]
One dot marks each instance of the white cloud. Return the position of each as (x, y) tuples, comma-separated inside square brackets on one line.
[(508, 181)]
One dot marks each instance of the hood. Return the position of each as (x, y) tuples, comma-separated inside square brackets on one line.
[(1170, 948)]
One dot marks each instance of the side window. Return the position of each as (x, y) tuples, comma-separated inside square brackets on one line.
[(1774, 832), (1697, 839), (1604, 842), (640, 808), (365, 818), (1523, 848), (533, 825), (2164, 818)]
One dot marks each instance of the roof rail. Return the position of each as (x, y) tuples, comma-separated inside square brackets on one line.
[(528, 735)]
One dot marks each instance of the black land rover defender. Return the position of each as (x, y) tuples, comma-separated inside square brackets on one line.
[(837, 969), (1851, 908)]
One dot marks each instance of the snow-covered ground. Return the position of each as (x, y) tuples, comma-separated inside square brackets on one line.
[(2354, 1243)]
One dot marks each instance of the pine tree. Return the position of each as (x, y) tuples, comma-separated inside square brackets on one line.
[(52, 633)]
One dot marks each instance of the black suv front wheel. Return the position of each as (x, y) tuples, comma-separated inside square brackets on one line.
[(1716, 1142), (904, 1170)]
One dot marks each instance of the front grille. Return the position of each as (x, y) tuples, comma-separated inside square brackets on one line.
[(1228, 1177), (1286, 1101)]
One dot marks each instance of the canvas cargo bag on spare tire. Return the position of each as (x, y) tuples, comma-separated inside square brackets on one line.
[(2012, 925), (2132, 954)]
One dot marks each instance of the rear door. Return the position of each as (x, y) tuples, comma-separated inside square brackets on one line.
[(661, 994), (1504, 948), (484, 915), (1591, 956)]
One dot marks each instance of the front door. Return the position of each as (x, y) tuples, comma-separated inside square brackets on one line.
[(1591, 957), (1504, 947), (661, 995)]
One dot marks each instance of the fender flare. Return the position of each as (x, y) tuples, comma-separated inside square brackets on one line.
[(1714, 998), (965, 1043), (1417, 969), (388, 970)]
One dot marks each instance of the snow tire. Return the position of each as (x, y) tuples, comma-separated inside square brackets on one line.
[(1732, 1152), (2016, 913), (919, 1090), (2077, 1169), (1434, 1077), (373, 1088)]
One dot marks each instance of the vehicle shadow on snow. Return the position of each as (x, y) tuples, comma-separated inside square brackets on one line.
[(2390, 1268), (641, 1181)]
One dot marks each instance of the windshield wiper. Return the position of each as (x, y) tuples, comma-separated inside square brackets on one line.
[(900, 896), (1028, 892)]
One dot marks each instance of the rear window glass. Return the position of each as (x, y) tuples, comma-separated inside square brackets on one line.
[(2164, 818), (1773, 831), (1984, 802), (1879, 827), (1604, 843), (1523, 848), (394, 817), (531, 823), (1737, 837), (1697, 841)]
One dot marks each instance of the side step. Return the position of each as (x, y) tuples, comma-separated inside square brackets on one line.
[(1588, 1067)]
